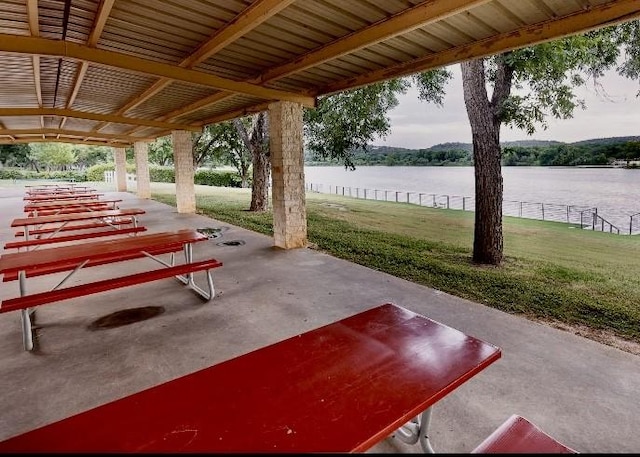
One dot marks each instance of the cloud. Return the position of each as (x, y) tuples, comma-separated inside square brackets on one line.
[(612, 110)]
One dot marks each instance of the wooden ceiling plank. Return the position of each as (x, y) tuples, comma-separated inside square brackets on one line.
[(94, 117), (410, 19), (606, 14)]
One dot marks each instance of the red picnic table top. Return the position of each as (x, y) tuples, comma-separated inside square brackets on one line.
[(339, 388), (62, 196), (55, 204), (71, 217), (96, 250)]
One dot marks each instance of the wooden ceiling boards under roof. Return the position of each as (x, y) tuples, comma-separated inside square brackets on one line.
[(113, 72)]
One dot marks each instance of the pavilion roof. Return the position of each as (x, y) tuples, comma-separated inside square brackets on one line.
[(113, 72)]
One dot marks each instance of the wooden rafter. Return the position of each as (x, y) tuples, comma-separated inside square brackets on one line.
[(583, 21), (408, 20), (254, 15), (34, 29), (15, 140), (74, 133), (95, 117), (68, 49), (411, 19), (237, 113), (98, 26)]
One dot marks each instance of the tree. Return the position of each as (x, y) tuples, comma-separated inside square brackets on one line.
[(222, 143), (161, 151), (345, 122), (546, 74), (14, 155), (53, 156), (254, 133), (88, 155)]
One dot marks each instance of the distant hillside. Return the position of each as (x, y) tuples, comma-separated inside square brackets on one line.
[(531, 143), (612, 140), (593, 152), (520, 143)]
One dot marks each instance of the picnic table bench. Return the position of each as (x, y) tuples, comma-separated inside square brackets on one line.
[(62, 196), (72, 258), (45, 208), (52, 224), (342, 387)]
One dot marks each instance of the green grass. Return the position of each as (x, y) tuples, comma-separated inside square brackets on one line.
[(552, 271)]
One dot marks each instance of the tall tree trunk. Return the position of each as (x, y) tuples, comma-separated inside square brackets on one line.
[(261, 162), (260, 184), (484, 117), (257, 142)]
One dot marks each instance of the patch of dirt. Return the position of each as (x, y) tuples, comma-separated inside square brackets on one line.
[(601, 336), (337, 206)]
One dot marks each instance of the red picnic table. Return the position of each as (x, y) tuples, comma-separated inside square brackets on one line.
[(342, 387), (62, 196), (72, 258), (49, 207), (55, 223)]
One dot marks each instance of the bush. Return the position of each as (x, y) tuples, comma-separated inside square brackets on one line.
[(217, 178), (162, 174), (157, 173), (70, 175), (11, 174), (96, 172)]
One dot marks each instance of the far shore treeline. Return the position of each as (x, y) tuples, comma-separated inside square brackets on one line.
[(595, 152)]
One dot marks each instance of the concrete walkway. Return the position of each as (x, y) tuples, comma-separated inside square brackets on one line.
[(584, 393)]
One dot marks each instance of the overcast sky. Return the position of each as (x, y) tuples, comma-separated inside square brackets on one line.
[(611, 111)]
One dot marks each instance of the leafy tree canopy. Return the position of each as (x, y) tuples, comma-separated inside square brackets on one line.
[(350, 120), (14, 155), (54, 156)]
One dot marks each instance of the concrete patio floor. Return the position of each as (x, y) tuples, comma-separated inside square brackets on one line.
[(584, 393)]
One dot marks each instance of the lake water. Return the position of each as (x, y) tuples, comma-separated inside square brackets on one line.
[(615, 192)]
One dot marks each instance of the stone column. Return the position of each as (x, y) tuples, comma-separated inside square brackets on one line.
[(120, 159), (143, 182), (183, 163), (287, 175)]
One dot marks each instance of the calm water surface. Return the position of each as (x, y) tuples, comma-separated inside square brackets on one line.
[(614, 191)]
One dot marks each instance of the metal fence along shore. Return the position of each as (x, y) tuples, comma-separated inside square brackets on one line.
[(584, 216)]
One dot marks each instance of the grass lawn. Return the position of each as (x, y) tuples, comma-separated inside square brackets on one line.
[(552, 271)]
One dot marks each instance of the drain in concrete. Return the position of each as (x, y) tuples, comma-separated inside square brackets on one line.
[(231, 243), (126, 317), (211, 232)]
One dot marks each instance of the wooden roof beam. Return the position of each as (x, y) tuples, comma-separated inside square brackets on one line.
[(257, 13), (104, 10), (75, 133), (75, 51), (410, 19), (237, 113), (592, 18), (406, 21), (63, 140), (34, 29), (254, 15), (95, 117)]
